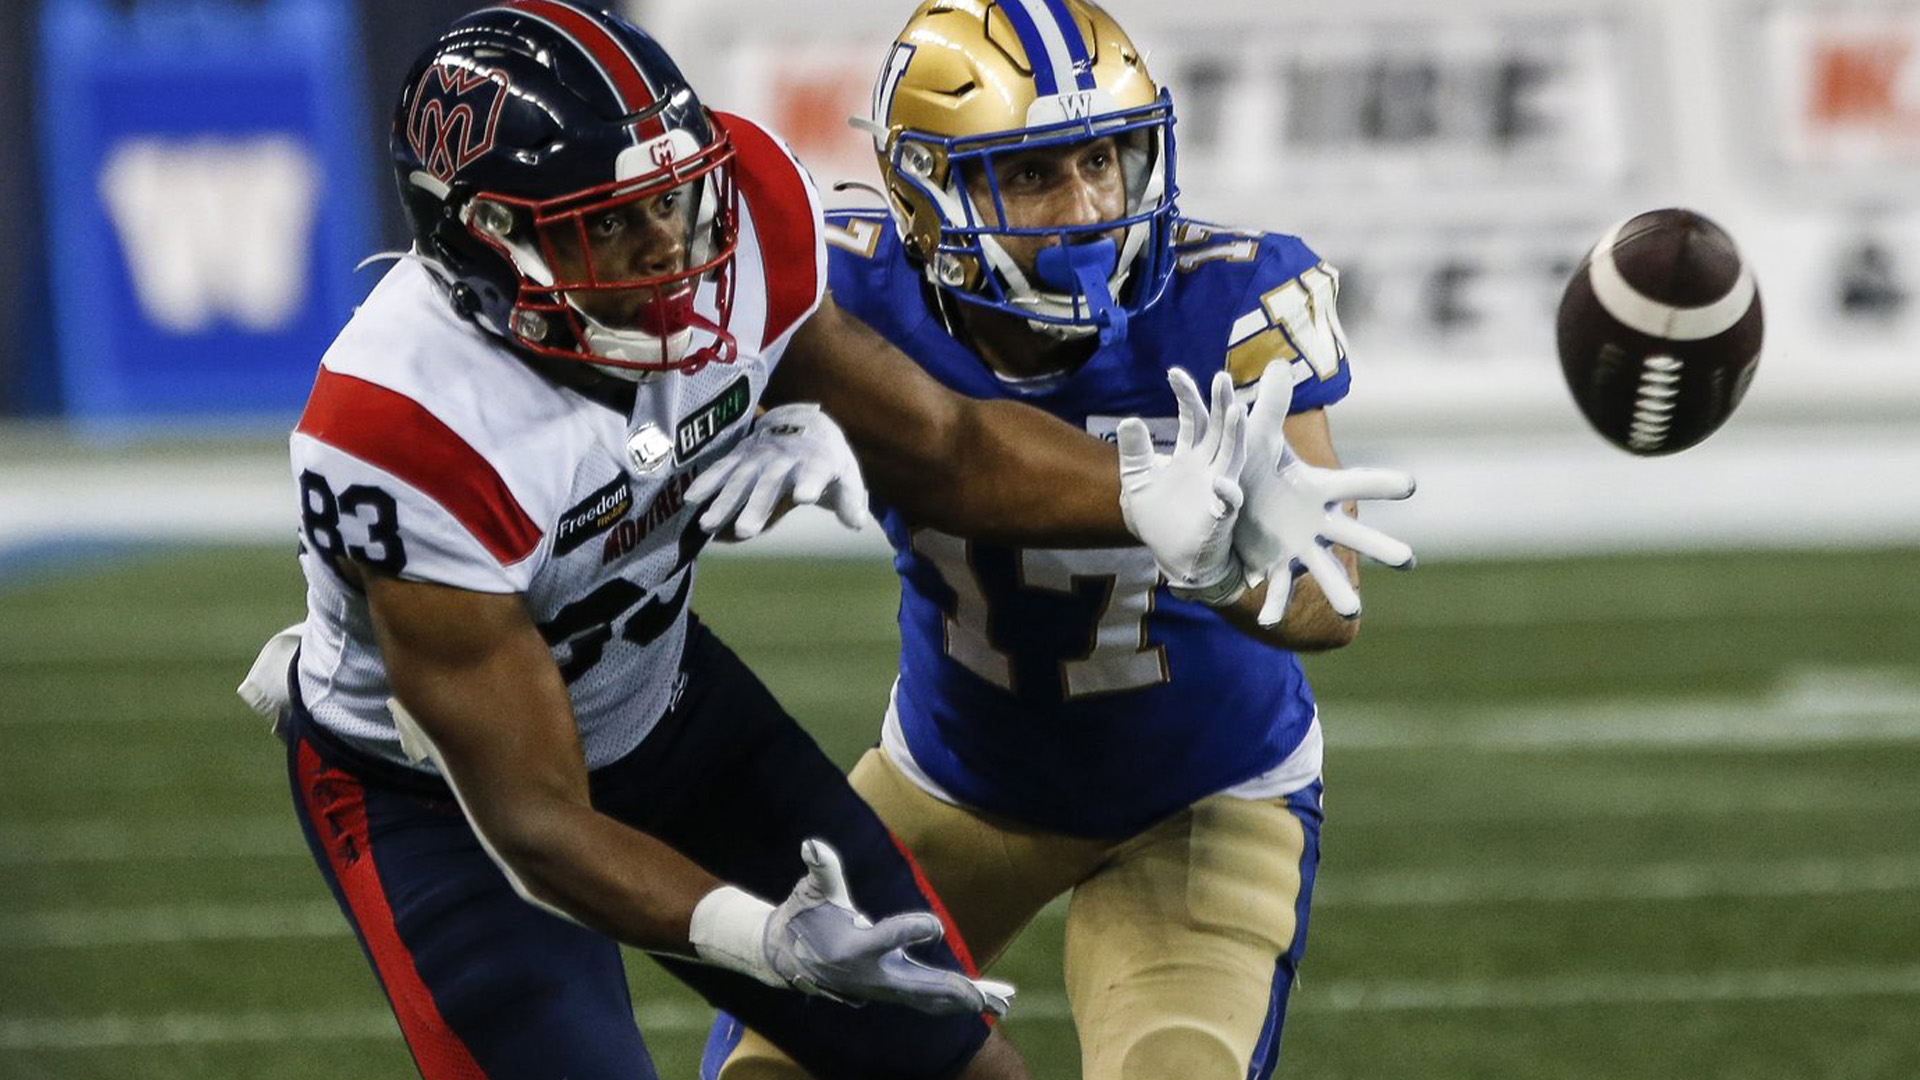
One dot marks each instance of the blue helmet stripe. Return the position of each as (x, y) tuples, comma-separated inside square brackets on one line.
[(1034, 43), (1076, 49)]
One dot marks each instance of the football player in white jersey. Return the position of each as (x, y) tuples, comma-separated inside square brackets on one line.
[(1063, 722), (512, 746)]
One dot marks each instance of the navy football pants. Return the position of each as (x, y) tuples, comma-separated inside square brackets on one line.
[(485, 984)]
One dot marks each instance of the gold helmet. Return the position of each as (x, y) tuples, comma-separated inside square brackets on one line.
[(969, 79)]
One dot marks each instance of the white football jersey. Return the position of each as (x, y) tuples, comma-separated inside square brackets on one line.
[(429, 450)]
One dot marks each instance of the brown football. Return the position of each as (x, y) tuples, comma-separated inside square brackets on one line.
[(1659, 331)]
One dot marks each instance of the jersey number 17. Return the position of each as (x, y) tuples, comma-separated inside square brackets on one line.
[(1118, 658)]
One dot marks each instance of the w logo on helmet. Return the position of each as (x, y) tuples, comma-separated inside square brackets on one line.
[(444, 126)]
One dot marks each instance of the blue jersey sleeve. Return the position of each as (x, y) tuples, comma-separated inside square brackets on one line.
[(1284, 308)]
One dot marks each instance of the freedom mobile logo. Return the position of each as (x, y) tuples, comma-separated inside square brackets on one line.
[(693, 434), (594, 515)]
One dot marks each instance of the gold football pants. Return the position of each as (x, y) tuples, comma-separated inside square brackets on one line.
[(1178, 939)]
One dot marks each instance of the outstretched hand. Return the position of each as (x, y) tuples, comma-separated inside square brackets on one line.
[(821, 944), (1294, 511)]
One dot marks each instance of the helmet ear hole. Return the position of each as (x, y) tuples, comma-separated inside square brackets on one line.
[(916, 160), (530, 325), (493, 219)]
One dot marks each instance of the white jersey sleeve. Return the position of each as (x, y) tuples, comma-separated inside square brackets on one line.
[(384, 482)]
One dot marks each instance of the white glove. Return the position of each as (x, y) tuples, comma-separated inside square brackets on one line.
[(817, 943), (1293, 510), (1182, 505), (795, 453)]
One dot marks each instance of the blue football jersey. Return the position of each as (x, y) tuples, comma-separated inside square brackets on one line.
[(1068, 688)]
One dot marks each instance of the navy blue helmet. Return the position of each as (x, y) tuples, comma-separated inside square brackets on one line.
[(526, 139)]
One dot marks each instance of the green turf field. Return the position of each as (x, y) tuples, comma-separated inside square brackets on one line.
[(1639, 817)]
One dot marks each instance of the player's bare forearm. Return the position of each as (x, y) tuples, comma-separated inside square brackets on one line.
[(988, 470), (1310, 624), (1011, 474), (480, 682)]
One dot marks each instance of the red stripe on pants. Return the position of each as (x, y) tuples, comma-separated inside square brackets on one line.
[(939, 909), (336, 804)]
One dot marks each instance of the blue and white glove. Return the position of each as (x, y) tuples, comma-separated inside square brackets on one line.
[(1293, 511), (1182, 505), (818, 943), (795, 455)]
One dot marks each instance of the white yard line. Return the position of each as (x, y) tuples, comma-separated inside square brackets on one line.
[(1571, 991), (173, 924), (1807, 708), (110, 1032), (113, 1031), (1809, 804), (1810, 707), (1509, 490), (1651, 882), (1657, 882), (116, 840)]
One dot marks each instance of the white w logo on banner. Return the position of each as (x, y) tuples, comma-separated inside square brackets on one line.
[(214, 227)]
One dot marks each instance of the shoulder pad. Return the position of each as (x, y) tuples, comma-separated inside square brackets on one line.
[(780, 197)]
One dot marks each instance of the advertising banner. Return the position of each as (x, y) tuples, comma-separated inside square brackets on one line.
[(1456, 162), (206, 202)]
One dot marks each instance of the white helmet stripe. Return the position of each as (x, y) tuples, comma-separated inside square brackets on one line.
[(1076, 48), (883, 89), (1051, 52)]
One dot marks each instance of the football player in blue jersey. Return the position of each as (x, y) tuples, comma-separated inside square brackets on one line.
[(1064, 721)]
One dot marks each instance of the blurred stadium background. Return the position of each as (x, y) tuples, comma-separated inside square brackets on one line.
[(1622, 780)]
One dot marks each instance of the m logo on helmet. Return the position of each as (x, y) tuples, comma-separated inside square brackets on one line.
[(445, 127), (656, 154)]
